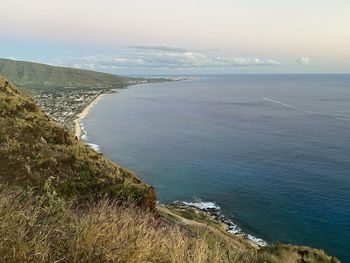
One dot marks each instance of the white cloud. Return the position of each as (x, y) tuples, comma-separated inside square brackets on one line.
[(304, 61), (161, 58)]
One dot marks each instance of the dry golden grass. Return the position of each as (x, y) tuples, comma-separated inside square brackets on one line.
[(42, 229), (291, 254), (45, 229)]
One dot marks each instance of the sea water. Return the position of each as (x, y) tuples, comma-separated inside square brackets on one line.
[(272, 151)]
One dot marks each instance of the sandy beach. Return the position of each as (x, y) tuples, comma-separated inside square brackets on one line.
[(82, 115)]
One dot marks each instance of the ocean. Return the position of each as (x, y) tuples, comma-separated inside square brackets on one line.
[(272, 151)]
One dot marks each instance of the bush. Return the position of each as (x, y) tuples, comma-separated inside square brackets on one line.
[(3, 137)]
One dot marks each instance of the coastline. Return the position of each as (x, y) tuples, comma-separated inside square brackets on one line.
[(83, 114), (210, 209), (213, 212), (77, 121)]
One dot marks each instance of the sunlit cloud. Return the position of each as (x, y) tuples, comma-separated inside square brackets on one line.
[(162, 58)]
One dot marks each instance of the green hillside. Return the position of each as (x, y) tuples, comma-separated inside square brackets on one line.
[(35, 150), (40, 76)]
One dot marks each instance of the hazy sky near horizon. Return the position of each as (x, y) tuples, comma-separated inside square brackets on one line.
[(183, 36)]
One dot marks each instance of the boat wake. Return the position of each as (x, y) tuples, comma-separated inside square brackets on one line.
[(288, 106), (337, 117)]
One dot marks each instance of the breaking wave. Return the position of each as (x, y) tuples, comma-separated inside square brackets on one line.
[(85, 137), (214, 210)]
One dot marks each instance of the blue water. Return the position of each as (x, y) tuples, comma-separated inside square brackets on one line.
[(273, 151)]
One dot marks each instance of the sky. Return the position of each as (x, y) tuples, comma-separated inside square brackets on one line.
[(180, 37)]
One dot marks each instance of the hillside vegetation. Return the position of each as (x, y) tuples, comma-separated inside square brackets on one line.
[(62, 202), (35, 76), (45, 230), (34, 149)]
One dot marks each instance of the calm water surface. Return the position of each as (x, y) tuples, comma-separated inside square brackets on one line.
[(273, 151)]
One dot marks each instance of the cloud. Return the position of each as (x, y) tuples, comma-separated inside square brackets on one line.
[(304, 61), (161, 58)]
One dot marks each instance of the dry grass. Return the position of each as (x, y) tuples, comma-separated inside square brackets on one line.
[(290, 254), (44, 230)]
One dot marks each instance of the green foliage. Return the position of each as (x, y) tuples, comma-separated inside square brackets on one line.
[(35, 148), (50, 201), (3, 137)]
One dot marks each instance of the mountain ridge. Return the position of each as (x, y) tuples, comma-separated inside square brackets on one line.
[(36, 75)]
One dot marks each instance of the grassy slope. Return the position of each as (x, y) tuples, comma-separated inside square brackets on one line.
[(46, 230), (274, 253), (38, 76), (34, 149)]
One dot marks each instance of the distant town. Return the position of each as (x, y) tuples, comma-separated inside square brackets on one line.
[(65, 103)]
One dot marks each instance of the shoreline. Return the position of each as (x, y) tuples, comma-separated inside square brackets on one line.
[(209, 208), (85, 111), (213, 211), (83, 114)]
